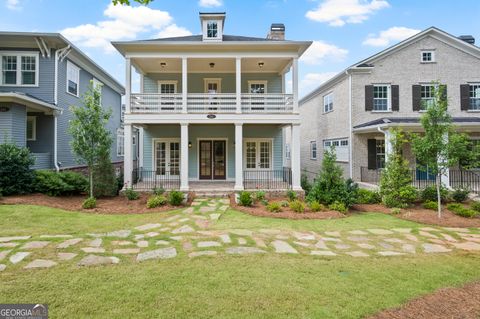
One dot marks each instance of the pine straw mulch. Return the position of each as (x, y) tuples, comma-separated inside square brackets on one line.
[(109, 205), (421, 215), (261, 211), (461, 302)]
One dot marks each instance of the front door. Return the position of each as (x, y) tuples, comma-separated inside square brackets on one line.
[(212, 160), (167, 158)]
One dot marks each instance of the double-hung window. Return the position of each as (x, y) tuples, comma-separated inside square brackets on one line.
[(120, 142), (19, 68), (73, 78), (381, 97), (313, 150), (427, 96), (328, 103), (31, 128), (340, 148), (427, 56), (212, 29), (474, 94), (380, 153)]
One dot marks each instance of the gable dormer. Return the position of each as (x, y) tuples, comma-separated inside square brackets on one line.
[(212, 26)]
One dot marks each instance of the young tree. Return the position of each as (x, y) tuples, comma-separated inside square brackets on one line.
[(440, 146), (91, 141)]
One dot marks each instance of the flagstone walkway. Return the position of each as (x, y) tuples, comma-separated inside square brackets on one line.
[(189, 233)]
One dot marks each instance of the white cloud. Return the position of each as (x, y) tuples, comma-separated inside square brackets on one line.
[(122, 23), (313, 80), (321, 51), (13, 4), (210, 3), (393, 34), (339, 12), (173, 31)]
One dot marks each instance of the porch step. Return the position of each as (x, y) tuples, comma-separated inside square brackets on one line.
[(212, 194)]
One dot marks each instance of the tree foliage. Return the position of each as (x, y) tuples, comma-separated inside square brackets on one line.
[(91, 140), (128, 2)]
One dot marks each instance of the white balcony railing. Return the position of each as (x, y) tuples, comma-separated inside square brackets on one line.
[(147, 103)]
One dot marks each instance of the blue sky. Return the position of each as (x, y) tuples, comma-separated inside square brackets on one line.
[(343, 31)]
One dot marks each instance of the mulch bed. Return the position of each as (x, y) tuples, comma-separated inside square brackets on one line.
[(260, 210), (422, 215), (444, 303), (112, 205)]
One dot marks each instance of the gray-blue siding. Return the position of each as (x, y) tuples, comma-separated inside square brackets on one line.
[(13, 125)]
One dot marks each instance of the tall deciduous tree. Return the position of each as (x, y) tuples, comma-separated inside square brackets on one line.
[(440, 146), (91, 141), (127, 2)]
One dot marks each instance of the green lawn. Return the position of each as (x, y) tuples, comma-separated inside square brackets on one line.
[(261, 286)]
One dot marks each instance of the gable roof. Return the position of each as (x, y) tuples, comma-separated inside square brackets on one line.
[(199, 38), (369, 62)]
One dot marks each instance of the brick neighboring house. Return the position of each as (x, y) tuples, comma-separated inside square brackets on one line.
[(356, 109)]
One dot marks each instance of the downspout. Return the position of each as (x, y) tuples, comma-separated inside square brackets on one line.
[(350, 149), (55, 115)]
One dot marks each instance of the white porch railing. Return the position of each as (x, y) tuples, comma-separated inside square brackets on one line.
[(155, 103)]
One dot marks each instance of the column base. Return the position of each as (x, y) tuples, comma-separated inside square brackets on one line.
[(238, 188), (297, 188), (184, 188)]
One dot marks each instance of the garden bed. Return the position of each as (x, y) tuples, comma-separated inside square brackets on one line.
[(421, 215), (109, 205), (444, 303), (258, 209)]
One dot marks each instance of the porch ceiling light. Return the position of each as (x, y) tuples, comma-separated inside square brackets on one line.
[(212, 65), (163, 64), (261, 64), (189, 144)]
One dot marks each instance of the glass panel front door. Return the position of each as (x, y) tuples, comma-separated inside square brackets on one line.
[(167, 158), (212, 159), (258, 155), (219, 159)]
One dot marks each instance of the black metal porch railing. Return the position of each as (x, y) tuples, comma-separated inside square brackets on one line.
[(268, 179), (466, 179), (148, 180), (420, 179)]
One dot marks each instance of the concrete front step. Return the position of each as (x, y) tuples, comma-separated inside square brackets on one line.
[(212, 194)]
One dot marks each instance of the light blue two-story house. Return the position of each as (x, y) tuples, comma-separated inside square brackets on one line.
[(212, 110), (41, 76)]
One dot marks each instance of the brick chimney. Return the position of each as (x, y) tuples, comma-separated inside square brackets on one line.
[(277, 32)]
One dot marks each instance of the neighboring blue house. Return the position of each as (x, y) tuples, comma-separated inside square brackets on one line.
[(41, 76)]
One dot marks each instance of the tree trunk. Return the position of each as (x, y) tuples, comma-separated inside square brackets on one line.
[(439, 197), (90, 172)]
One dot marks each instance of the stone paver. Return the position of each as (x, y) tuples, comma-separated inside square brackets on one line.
[(152, 234), (408, 248), (448, 238), (259, 242), (225, 238), (124, 233), (241, 232), (97, 242), (282, 247), (402, 230), (4, 253), (303, 236), (379, 231), (426, 234), (385, 245), (35, 245), (458, 230), (394, 240), (365, 246), (188, 210), (142, 244), (93, 250), (40, 263), (322, 253), (13, 238), (94, 260), (215, 216), (205, 244), (342, 246), (435, 248), (8, 245), (357, 253), (202, 253), (66, 256), (56, 236), (390, 253), (163, 253), (162, 242), (358, 232), (183, 230), (2, 267), (467, 246), (333, 233), (125, 251), (244, 250), (358, 238), (299, 243), (338, 240), (242, 241), (18, 257), (69, 242), (428, 229), (148, 227), (121, 242), (411, 237), (206, 209)]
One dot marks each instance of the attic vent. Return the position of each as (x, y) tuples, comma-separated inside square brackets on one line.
[(467, 38), (277, 32)]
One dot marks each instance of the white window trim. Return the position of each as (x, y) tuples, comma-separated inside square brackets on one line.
[(175, 84), (70, 64), (324, 97), (339, 140), (430, 51), (19, 55), (34, 128), (154, 152), (265, 83), (219, 30), (257, 154), (389, 98), (120, 133), (212, 80), (311, 150)]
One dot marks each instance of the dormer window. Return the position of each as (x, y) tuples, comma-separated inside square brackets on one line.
[(212, 29), (212, 26), (427, 56)]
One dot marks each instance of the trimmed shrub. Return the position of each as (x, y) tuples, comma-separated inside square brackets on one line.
[(245, 198), (475, 206), (338, 206), (260, 195), (175, 198), (274, 207), (16, 177), (105, 183), (366, 196), (429, 193), (315, 206), (430, 205), (395, 211), (264, 202), (131, 194), (297, 206), (460, 210), (305, 183), (156, 201), (89, 203), (284, 203), (77, 182), (120, 182), (291, 195), (460, 195), (50, 183), (158, 191), (401, 198)]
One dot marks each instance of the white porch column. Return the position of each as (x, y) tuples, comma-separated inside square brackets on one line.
[(238, 156), (295, 157), (295, 84), (388, 144), (445, 179), (184, 157), (238, 83), (141, 135), (128, 84), (184, 85), (127, 155)]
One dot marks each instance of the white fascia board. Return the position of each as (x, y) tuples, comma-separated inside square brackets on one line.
[(180, 55), (20, 98), (220, 119)]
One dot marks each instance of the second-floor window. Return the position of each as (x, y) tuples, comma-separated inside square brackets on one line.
[(167, 87), (427, 96), (474, 97), (73, 78), (212, 29), (259, 87), (313, 150), (328, 103), (427, 56), (19, 69), (381, 97)]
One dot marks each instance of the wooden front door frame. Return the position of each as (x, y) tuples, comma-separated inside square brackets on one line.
[(211, 139)]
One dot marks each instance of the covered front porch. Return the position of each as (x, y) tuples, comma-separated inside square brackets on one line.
[(211, 157)]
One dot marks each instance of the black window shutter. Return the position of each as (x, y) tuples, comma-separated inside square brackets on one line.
[(464, 97), (395, 98), (368, 97), (443, 88), (372, 154), (416, 97)]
